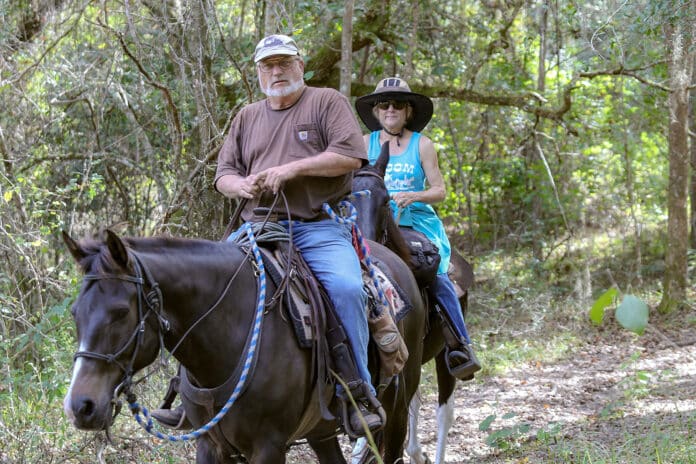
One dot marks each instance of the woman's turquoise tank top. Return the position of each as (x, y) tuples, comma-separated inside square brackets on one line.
[(405, 174)]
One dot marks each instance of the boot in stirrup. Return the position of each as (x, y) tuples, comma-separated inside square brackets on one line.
[(368, 415), (462, 362)]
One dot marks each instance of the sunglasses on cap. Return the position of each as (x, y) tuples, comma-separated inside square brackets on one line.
[(397, 105)]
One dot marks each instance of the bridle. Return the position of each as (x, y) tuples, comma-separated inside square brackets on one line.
[(152, 300)]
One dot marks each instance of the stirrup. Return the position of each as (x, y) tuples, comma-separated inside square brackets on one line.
[(172, 390), (369, 413), (469, 364)]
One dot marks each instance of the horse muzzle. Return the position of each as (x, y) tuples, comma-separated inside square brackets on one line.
[(87, 413), (89, 403)]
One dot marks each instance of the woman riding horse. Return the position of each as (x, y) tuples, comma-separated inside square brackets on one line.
[(397, 115)]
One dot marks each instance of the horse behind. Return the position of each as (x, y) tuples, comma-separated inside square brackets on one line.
[(197, 299), (376, 222)]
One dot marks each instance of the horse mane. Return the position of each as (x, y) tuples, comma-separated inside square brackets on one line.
[(159, 243), (97, 255), (396, 242)]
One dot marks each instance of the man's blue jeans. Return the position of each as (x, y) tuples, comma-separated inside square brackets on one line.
[(446, 297), (327, 248)]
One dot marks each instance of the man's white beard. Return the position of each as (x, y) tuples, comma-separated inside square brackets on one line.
[(284, 91)]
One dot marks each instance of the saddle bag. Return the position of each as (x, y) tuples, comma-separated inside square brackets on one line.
[(425, 256), (391, 347)]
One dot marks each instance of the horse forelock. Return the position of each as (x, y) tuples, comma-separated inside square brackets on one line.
[(92, 255)]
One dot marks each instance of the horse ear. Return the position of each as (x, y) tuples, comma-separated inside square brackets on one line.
[(73, 247), (117, 248), (383, 160)]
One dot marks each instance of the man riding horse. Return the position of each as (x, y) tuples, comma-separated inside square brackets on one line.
[(302, 142)]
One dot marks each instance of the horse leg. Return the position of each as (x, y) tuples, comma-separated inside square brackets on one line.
[(207, 453), (268, 453), (414, 448), (445, 409), (394, 434), (328, 451)]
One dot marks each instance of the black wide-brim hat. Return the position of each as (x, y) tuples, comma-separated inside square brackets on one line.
[(395, 88)]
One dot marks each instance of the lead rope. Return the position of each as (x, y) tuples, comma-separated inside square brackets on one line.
[(146, 421), (349, 215)]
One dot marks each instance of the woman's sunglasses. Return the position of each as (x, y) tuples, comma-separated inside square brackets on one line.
[(397, 105)]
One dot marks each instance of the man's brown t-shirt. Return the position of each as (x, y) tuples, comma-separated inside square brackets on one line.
[(260, 138)]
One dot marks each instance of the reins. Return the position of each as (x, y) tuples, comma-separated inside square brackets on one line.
[(146, 420)]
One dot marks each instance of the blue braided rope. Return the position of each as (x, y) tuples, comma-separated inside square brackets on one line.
[(146, 421), (349, 215)]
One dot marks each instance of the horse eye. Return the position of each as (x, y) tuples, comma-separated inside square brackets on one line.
[(119, 312)]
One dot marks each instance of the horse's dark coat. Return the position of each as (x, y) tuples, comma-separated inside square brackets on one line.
[(192, 276)]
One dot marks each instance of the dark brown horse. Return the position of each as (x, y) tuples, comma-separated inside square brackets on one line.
[(376, 222), (199, 298)]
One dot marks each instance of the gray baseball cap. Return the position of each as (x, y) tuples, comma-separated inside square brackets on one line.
[(276, 44)]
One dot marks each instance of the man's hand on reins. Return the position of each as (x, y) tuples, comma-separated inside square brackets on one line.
[(251, 186)]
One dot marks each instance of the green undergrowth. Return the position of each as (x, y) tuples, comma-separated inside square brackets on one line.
[(33, 429), (524, 311), (669, 439)]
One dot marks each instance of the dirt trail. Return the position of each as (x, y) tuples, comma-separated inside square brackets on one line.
[(616, 385)]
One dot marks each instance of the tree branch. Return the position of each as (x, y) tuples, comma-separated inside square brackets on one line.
[(621, 71), (165, 91), (51, 46)]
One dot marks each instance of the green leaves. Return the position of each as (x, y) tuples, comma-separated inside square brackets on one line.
[(632, 313), (597, 310), (486, 423), (506, 436)]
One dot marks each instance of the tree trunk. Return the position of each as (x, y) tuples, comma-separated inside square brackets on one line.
[(277, 18), (630, 187), (347, 49), (543, 20), (680, 69), (407, 70), (530, 148), (692, 188)]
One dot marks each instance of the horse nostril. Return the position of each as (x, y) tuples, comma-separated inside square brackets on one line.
[(83, 406)]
